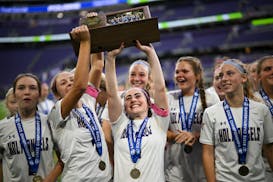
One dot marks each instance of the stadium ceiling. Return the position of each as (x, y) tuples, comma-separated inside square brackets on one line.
[(31, 2), (162, 25), (71, 6)]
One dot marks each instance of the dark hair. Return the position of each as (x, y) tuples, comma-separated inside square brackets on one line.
[(27, 75), (148, 99), (198, 71)]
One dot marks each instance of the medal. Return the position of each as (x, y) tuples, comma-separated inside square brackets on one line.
[(243, 170), (187, 149), (93, 128), (240, 139), (33, 161), (186, 121), (102, 165), (135, 173), (135, 145), (37, 178)]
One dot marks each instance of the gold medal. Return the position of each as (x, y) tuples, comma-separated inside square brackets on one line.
[(102, 165), (37, 178), (135, 173)]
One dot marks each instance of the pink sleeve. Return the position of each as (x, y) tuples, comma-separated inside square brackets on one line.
[(93, 92), (159, 111)]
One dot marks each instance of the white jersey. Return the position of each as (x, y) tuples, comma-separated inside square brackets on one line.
[(216, 131), (75, 144), (180, 165), (14, 162), (45, 106), (212, 91), (269, 172), (151, 163)]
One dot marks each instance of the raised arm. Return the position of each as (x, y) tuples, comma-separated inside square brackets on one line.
[(80, 33), (97, 64), (114, 100), (160, 97), (96, 60)]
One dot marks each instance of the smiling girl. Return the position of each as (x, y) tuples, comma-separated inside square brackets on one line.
[(139, 131), (235, 130), (187, 105)]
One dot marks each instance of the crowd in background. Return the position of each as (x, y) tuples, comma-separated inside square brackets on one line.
[(144, 132)]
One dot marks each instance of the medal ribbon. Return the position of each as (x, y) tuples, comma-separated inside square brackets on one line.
[(92, 127), (135, 145), (99, 111), (33, 162), (241, 142), (186, 122), (267, 100)]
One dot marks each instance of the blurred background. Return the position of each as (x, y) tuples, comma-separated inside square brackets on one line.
[(34, 34)]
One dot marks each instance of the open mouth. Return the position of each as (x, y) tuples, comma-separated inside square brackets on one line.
[(135, 106), (181, 80), (27, 100)]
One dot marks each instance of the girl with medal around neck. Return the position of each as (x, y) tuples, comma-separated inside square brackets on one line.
[(139, 133), (183, 154), (139, 75), (235, 130), (25, 142), (265, 77), (73, 119)]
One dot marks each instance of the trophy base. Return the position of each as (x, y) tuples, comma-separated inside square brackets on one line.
[(110, 37)]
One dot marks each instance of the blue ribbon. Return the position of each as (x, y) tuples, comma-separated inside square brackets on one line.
[(99, 111), (92, 127), (241, 142), (33, 162), (135, 145), (186, 122), (267, 100)]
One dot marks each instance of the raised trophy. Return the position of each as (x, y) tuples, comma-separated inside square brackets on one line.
[(109, 30)]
